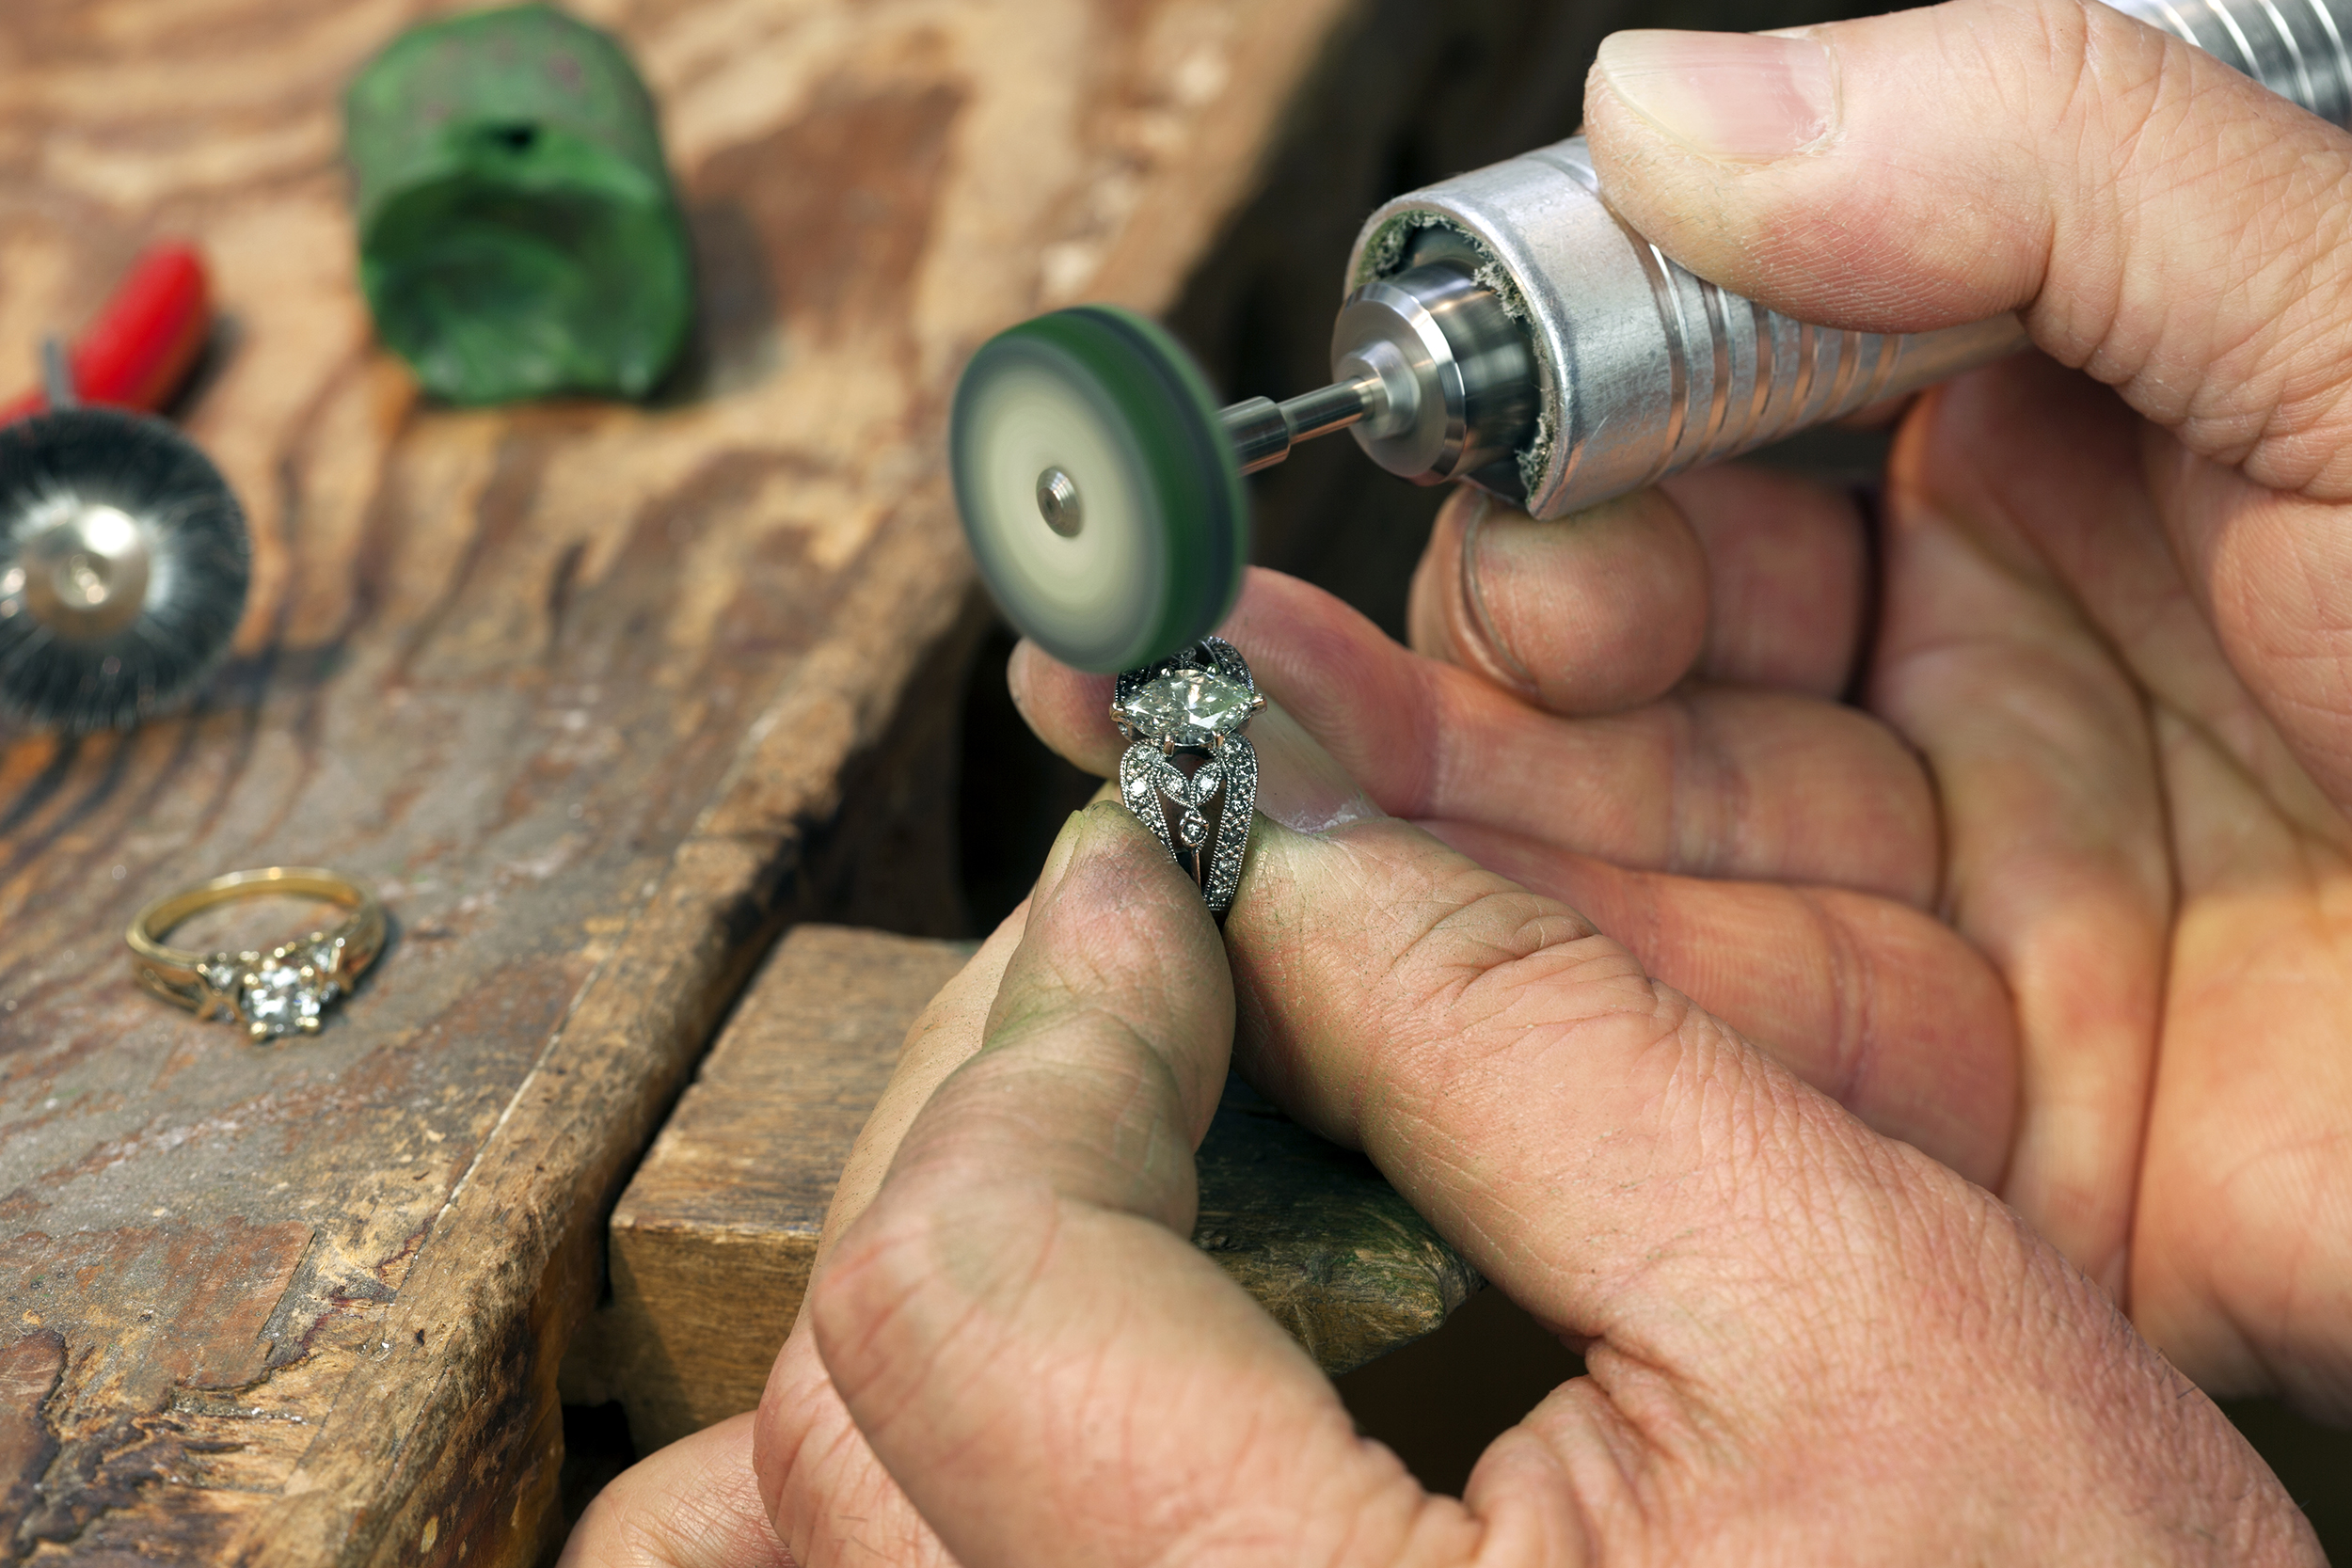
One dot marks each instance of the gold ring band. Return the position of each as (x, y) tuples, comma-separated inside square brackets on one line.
[(282, 992)]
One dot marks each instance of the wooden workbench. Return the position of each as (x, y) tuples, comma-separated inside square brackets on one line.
[(598, 698)]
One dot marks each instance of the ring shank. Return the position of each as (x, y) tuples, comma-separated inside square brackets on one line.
[(173, 972)]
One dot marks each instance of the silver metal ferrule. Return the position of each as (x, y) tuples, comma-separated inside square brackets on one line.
[(1525, 339), (1640, 368)]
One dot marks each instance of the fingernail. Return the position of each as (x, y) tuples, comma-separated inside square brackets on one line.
[(1300, 784), (1737, 97), (1485, 550), (1058, 859)]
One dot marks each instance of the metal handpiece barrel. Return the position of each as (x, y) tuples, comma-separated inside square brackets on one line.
[(1557, 358)]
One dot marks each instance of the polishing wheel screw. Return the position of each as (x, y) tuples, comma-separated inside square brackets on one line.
[(1057, 503)]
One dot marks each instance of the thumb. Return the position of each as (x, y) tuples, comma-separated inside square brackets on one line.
[(2160, 220)]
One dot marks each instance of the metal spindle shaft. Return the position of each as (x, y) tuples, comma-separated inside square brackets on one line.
[(1263, 431)]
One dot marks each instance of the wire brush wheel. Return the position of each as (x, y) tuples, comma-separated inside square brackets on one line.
[(1099, 489), (123, 568)]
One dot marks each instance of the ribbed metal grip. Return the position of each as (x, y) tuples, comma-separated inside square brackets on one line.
[(1648, 370), (2296, 48), (1740, 376)]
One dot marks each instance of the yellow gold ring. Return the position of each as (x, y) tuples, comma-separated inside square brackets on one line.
[(282, 992)]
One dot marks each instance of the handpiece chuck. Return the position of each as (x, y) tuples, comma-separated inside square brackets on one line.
[(1428, 368)]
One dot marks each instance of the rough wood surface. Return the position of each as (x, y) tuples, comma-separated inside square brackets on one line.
[(713, 1239), (595, 696)]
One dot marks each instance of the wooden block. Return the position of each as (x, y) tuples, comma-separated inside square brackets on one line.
[(713, 1239), (599, 697), (1320, 1237)]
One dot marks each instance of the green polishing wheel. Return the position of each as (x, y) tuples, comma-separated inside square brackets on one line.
[(1099, 488)]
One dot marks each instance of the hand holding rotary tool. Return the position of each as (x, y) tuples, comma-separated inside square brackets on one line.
[(2017, 814), (1508, 329), (2107, 733)]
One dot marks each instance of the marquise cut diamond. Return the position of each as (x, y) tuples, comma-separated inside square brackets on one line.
[(1188, 708)]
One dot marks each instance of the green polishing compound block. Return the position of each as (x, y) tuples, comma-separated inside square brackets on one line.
[(1098, 486), (518, 235)]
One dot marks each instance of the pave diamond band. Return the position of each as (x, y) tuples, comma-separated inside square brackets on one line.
[(1189, 774), (282, 992)]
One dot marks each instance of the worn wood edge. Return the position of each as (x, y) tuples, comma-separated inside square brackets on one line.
[(684, 1274), (1172, 228), (1345, 1319), (683, 1271), (406, 1425)]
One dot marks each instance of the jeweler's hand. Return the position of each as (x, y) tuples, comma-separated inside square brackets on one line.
[(1805, 1342), (2116, 624), (2110, 629)]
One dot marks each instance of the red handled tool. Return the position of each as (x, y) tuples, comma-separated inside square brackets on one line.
[(142, 347)]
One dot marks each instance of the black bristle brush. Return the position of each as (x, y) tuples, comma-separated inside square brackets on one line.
[(123, 567)]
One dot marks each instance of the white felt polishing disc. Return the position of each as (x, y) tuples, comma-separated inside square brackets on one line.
[(1098, 487)]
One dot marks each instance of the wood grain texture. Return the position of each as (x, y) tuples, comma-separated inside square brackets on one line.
[(595, 696), (713, 1242)]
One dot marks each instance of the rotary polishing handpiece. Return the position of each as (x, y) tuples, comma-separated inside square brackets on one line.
[(1503, 327)]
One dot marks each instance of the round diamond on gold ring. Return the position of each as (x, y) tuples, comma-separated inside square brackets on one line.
[(282, 992), (1189, 774)]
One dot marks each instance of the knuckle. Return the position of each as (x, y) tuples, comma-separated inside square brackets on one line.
[(1493, 970)]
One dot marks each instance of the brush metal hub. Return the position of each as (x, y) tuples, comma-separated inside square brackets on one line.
[(85, 567)]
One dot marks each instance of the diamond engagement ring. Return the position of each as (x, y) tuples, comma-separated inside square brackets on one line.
[(1189, 774), (282, 992)]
